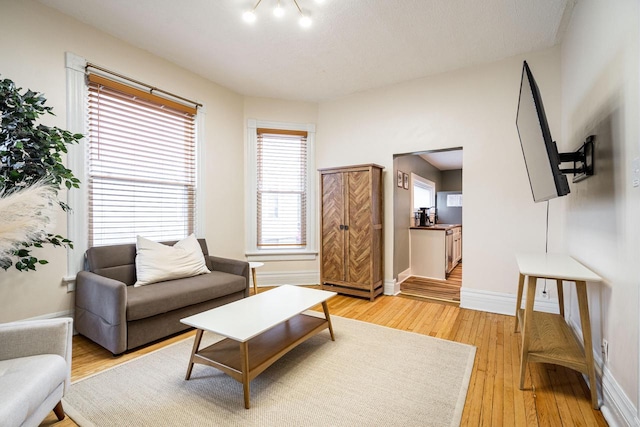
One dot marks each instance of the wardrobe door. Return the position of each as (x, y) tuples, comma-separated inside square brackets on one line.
[(333, 234), (359, 233)]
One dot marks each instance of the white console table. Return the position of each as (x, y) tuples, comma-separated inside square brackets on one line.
[(546, 337)]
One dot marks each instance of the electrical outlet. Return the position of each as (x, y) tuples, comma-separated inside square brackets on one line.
[(635, 172), (544, 294), (605, 350)]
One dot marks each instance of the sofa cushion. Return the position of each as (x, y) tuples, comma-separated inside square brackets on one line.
[(162, 297), (156, 262), (26, 382)]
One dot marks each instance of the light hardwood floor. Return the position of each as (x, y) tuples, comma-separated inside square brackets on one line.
[(553, 395), (434, 289)]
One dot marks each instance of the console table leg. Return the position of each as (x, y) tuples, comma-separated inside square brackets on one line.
[(519, 299), (244, 353), (583, 305), (526, 327), (196, 344), (560, 296)]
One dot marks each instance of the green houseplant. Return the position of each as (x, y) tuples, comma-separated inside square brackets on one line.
[(30, 159)]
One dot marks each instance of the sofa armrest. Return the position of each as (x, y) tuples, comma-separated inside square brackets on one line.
[(35, 337), (231, 266), (102, 296), (101, 310)]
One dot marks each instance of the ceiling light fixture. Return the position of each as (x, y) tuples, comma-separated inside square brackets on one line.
[(304, 21), (278, 11)]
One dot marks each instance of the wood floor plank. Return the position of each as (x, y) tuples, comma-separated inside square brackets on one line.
[(435, 289), (546, 406), (478, 376), (566, 403), (488, 400), (474, 317), (508, 392), (493, 397), (519, 396), (497, 364)]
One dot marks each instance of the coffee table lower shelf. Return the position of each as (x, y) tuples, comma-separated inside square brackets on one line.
[(243, 361)]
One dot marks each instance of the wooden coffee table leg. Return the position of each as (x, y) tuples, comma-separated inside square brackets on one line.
[(196, 344), (325, 307), (244, 353)]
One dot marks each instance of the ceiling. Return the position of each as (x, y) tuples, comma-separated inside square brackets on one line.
[(352, 45), (444, 160)]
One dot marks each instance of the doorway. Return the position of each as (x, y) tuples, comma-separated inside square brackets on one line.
[(432, 174)]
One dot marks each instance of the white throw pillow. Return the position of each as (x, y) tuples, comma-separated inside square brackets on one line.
[(156, 262)]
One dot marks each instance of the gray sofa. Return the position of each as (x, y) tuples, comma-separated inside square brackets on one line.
[(110, 311)]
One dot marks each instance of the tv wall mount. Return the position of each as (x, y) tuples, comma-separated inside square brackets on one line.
[(582, 159)]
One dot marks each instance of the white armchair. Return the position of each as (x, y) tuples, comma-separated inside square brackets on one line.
[(35, 370)]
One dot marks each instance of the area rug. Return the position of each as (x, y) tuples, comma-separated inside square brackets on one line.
[(370, 376)]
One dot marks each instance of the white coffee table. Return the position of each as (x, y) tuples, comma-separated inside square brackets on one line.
[(259, 330)]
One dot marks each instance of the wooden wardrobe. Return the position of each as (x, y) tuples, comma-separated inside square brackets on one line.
[(351, 230)]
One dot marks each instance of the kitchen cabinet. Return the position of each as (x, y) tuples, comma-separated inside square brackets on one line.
[(351, 230), (456, 248), (435, 250)]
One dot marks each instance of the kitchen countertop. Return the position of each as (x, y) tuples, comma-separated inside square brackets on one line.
[(437, 227)]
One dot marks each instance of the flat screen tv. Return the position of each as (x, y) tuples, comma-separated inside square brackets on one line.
[(540, 152)]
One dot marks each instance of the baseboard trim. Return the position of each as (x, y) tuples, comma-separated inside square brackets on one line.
[(500, 303), (65, 313), (391, 287), (404, 275), (616, 407)]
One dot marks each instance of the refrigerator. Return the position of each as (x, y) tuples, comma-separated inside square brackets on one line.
[(449, 207)]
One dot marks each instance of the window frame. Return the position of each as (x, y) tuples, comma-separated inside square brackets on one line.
[(252, 251), (78, 199)]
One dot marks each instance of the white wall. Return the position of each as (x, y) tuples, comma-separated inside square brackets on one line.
[(600, 92), (34, 41), (473, 108)]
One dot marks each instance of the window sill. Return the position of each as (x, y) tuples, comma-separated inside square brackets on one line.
[(282, 255)]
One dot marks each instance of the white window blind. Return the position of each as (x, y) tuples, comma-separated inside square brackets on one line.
[(141, 166), (281, 188)]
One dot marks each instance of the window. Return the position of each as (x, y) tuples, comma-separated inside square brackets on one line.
[(280, 216), (117, 126), (423, 193), (141, 165), (282, 188)]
